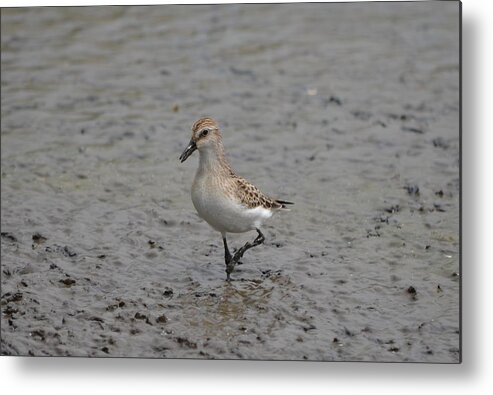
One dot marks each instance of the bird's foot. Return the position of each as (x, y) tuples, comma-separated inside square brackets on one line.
[(230, 267), (231, 263)]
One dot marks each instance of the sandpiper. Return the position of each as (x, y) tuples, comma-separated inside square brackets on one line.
[(226, 201)]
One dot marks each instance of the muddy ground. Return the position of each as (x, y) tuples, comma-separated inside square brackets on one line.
[(349, 110)]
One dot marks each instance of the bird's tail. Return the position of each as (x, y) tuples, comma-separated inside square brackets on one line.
[(284, 203)]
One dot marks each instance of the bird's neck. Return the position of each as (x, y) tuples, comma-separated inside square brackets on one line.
[(213, 160)]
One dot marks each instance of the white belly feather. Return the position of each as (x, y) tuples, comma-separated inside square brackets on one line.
[(225, 215)]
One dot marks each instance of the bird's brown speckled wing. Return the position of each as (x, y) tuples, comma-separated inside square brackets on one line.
[(250, 196)]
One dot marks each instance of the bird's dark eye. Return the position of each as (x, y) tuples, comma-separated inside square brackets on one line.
[(204, 132)]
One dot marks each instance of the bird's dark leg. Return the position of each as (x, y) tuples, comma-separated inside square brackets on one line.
[(227, 254), (227, 259), (258, 240), (231, 261)]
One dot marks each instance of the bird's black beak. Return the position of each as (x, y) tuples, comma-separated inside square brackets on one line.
[(188, 151)]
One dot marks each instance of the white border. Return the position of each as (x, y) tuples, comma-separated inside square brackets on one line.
[(124, 376), (29, 3)]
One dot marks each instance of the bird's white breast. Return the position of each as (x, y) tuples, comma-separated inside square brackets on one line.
[(222, 212)]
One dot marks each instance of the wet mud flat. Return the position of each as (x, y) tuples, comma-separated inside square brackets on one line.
[(349, 110)]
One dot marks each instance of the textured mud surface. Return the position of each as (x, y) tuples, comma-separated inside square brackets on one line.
[(349, 110)]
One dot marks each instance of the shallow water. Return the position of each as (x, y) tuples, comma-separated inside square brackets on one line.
[(349, 110)]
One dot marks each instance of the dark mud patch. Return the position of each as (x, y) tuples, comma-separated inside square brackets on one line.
[(9, 237)]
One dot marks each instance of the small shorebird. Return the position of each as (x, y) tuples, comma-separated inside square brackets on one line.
[(228, 202)]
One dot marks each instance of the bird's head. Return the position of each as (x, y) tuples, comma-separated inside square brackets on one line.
[(205, 135)]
